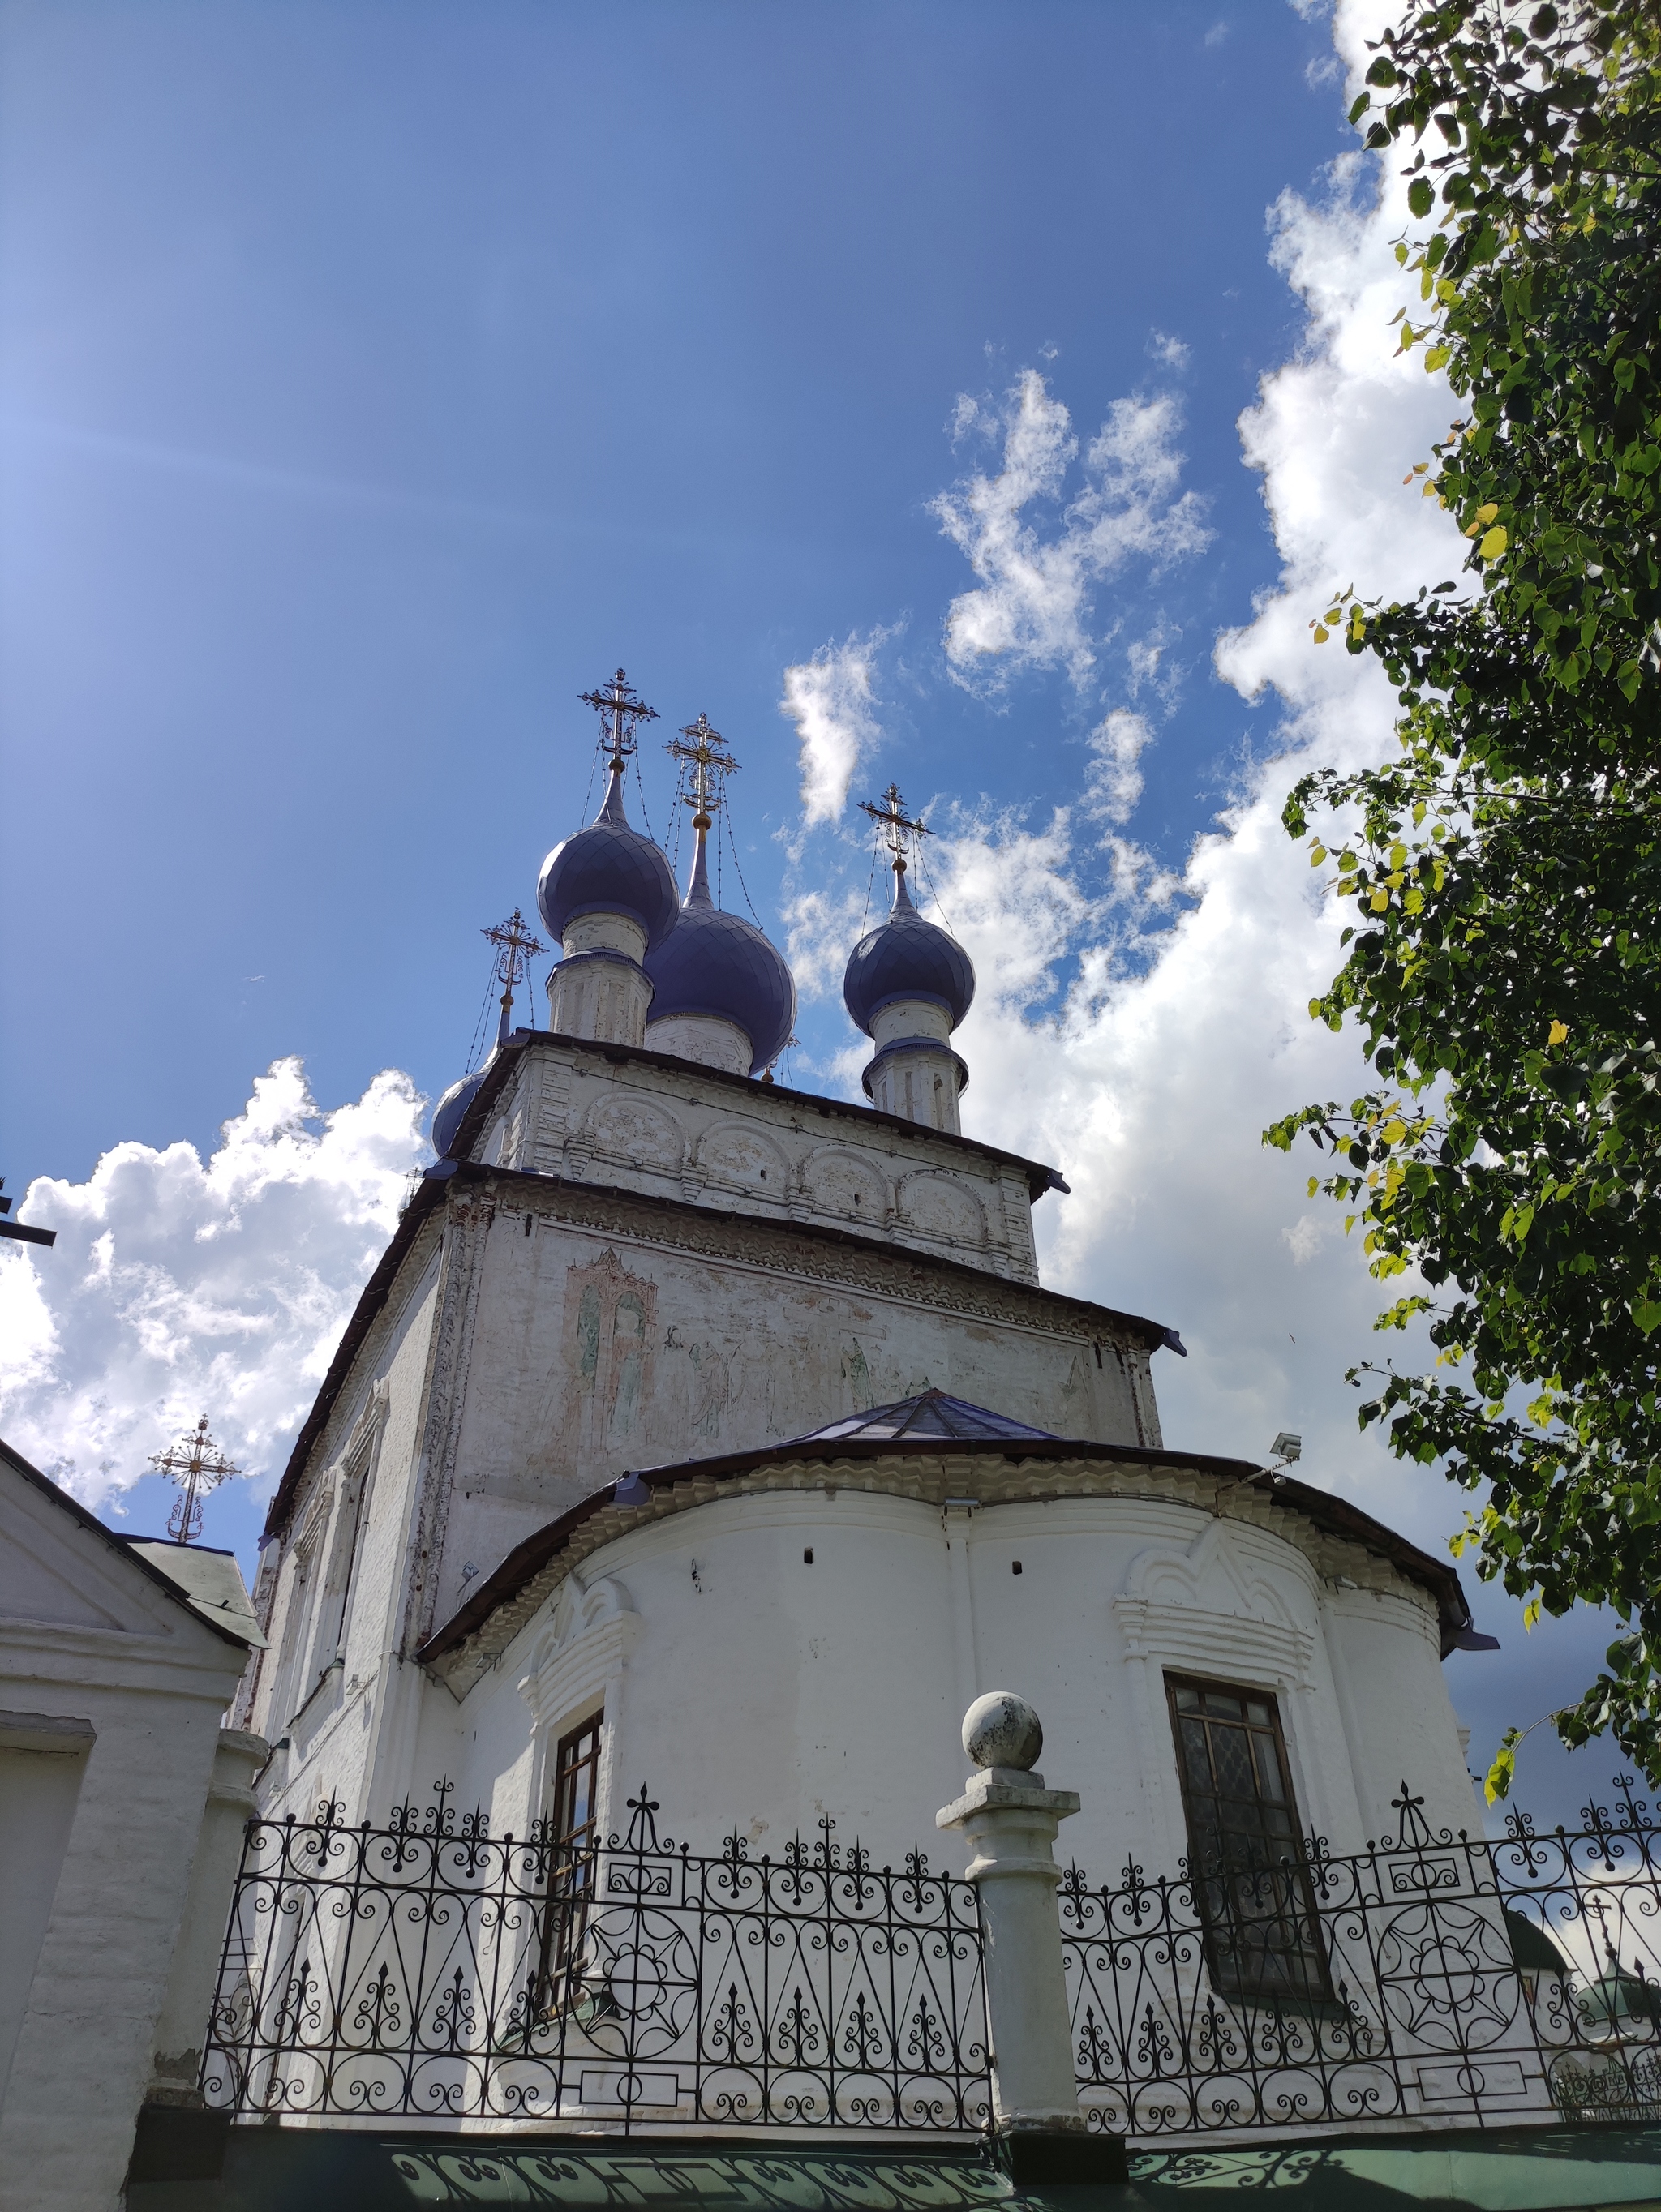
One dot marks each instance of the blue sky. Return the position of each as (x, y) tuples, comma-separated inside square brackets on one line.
[(374, 378)]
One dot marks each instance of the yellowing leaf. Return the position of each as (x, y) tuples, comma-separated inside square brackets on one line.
[(1487, 510), (1494, 544), (1531, 1614), (1393, 1132), (1379, 901), (1321, 634), (1559, 1030)]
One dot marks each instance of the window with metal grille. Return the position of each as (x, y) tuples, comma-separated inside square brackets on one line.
[(1245, 1853), (571, 1836)]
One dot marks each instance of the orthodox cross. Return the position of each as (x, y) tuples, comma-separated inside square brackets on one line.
[(514, 945), (198, 1466), (892, 814), (706, 764), (619, 707)]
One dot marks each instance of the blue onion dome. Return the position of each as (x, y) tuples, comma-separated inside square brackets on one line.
[(716, 963), (452, 1108), (609, 868), (907, 959)]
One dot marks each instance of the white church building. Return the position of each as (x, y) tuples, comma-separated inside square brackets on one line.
[(691, 1425), (700, 1450)]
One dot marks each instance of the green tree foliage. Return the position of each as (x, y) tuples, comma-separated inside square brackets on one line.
[(1503, 959)]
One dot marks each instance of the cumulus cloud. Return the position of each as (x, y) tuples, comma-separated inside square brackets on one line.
[(179, 1286), (1170, 352), (1149, 1085), (1032, 609), (830, 699)]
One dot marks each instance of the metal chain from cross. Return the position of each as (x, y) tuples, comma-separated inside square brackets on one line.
[(705, 763), (198, 1466), (619, 708), (892, 814)]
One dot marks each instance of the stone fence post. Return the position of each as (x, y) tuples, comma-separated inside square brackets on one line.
[(1009, 1820)]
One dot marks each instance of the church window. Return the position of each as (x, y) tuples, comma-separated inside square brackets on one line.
[(571, 1835), (1245, 1853)]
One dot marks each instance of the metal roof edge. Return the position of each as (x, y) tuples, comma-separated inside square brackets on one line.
[(1039, 1177), (1333, 1515)]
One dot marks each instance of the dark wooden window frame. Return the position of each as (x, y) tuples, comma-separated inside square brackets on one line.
[(572, 1845), (1262, 1933)]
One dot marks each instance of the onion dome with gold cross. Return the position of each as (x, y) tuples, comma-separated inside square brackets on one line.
[(907, 958), (715, 966), (609, 867)]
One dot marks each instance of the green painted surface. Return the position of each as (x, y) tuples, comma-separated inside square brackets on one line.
[(303, 2170)]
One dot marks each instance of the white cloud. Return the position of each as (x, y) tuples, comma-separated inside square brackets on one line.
[(1032, 608), (1306, 1235), (178, 1287), (1149, 1089), (1216, 35), (1171, 352), (830, 699), (1113, 779)]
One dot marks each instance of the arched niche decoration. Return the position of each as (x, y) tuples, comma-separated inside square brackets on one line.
[(635, 1131), (847, 1185), (943, 1207), (736, 1155)]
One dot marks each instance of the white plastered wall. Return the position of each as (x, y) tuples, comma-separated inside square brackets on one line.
[(748, 1687)]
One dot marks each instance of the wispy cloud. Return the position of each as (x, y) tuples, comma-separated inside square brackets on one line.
[(1032, 607), (830, 699), (1113, 782), (1169, 352)]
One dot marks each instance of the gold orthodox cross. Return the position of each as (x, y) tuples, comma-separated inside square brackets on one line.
[(619, 707), (892, 814), (514, 945), (706, 764)]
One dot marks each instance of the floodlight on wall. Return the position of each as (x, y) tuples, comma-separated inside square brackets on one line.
[(1285, 1448)]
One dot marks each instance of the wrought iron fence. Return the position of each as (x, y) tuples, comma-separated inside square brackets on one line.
[(429, 1969), (1432, 1976)]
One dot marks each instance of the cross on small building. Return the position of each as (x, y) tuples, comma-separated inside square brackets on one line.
[(198, 1466), (619, 707), (705, 763)]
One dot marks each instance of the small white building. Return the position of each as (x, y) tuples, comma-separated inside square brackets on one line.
[(122, 1801)]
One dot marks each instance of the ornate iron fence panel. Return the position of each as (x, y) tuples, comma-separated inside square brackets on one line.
[(1431, 1977), (427, 1969)]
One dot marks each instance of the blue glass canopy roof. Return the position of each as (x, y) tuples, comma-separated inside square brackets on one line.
[(930, 1414)]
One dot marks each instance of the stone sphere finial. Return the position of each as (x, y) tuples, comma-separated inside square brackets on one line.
[(1001, 1729)]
